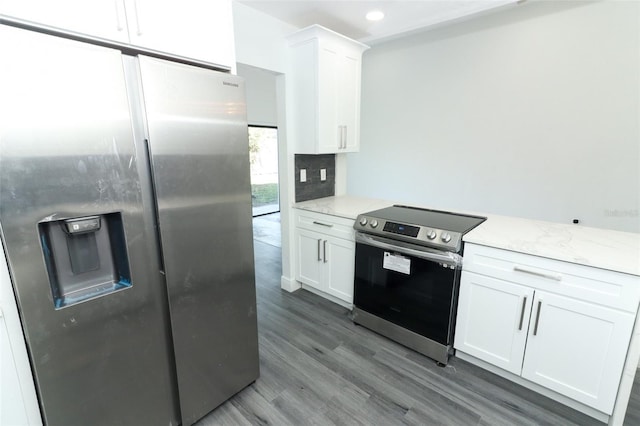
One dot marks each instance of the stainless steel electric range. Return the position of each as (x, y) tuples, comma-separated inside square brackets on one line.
[(407, 274)]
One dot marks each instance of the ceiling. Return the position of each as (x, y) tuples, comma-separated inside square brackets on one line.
[(402, 17)]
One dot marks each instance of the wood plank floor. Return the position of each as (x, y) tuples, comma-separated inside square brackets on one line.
[(318, 368)]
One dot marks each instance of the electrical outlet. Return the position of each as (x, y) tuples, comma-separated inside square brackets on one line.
[(303, 175), (323, 174)]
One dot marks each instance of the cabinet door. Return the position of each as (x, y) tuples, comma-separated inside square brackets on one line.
[(197, 29), (18, 401), (338, 275), (492, 321), (348, 109), (98, 18), (12, 408), (577, 349), (309, 251), (329, 131)]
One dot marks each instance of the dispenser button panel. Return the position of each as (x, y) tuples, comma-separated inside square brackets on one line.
[(79, 226)]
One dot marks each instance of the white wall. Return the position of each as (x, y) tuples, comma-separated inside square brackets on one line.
[(260, 39), (260, 90), (531, 112), (260, 42)]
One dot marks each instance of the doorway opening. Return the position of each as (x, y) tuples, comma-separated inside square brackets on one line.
[(263, 154)]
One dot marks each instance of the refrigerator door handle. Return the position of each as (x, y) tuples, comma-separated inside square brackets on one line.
[(154, 207)]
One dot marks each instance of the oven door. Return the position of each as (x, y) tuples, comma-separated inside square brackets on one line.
[(411, 286)]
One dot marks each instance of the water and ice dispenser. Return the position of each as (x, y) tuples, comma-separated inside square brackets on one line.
[(86, 257)]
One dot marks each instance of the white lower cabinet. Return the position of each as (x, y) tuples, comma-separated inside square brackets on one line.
[(12, 408), (309, 257), (18, 401), (324, 261), (543, 325), (493, 319), (340, 257), (577, 349)]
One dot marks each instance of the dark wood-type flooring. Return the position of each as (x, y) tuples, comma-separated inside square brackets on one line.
[(318, 368)]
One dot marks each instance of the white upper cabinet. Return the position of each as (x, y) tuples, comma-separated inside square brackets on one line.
[(325, 77), (196, 29), (98, 18)]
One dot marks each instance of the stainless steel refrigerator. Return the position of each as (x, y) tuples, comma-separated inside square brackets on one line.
[(125, 214)]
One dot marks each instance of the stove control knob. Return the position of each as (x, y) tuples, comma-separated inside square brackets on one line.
[(446, 237), (374, 223), (431, 234), (363, 221)]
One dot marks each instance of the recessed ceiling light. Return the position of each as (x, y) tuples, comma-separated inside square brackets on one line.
[(375, 15)]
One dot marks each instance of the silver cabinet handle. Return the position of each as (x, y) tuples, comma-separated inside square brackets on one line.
[(324, 251), (342, 135), (119, 19), (328, 225), (319, 258), (524, 304), (555, 277), (137, 12), (535, 328), (345, 137)]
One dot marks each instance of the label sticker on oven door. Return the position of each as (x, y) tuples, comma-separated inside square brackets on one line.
[(395, 262)]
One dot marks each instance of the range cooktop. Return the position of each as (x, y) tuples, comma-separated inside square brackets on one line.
[(434, 228)]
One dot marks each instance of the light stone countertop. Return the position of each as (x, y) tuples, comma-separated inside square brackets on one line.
[(600, 248), (343, 206)]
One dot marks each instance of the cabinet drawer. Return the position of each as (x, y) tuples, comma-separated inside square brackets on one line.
[(607, 288), (326, 224)]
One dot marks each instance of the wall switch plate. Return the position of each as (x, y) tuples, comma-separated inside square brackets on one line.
[(323, 174), (303, 175)]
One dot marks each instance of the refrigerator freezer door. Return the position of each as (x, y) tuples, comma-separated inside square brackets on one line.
[(67, 151), (200, 160)]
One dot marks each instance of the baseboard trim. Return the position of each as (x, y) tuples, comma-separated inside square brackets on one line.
[(289, 284), (329, 297), (591, 412)]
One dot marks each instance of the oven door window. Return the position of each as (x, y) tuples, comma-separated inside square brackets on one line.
[(420, 301)]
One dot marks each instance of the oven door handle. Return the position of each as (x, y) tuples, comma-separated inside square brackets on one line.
[(444, 257)]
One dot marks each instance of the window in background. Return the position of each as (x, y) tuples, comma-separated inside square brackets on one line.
[(263, 154)]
